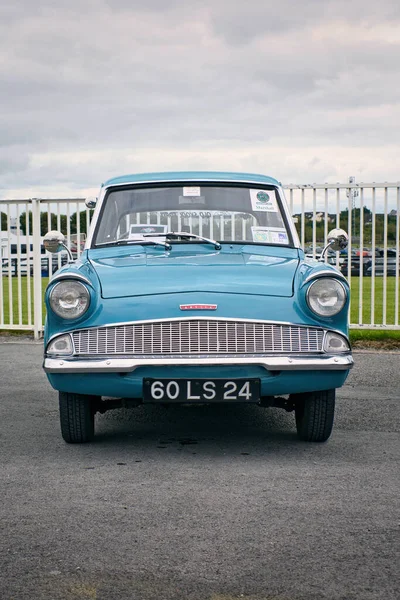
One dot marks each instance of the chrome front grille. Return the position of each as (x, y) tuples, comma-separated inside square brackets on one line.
[(197, 336)]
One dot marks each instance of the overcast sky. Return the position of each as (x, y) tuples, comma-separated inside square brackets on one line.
[(306, 91)]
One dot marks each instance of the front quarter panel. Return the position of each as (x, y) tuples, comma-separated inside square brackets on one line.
[(306, 274), (80, 270)]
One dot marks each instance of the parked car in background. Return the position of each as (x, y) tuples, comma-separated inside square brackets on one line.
[(77, 242), (392, 264), (51, 264), (193, 288), (18, 261), (17, 258), (357, 264), (363, 252)]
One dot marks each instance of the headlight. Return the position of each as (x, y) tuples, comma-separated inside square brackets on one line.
[(69, 299), (326, 296)]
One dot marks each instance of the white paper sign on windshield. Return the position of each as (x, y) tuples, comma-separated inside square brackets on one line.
[(263, 200), (269, 235), (193, 190)]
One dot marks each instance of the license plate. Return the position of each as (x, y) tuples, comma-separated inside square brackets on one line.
[(201, 390)]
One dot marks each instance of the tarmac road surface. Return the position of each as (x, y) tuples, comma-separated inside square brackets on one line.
[(199, 503)]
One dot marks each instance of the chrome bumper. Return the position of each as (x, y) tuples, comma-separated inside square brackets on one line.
[(321, 362)]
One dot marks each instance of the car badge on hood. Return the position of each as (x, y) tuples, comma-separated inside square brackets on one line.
[(198, 306)]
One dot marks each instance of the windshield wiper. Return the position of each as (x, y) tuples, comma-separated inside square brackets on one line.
[(185, 234), (143, 242)]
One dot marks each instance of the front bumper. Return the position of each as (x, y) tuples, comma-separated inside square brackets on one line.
[(317, 362)]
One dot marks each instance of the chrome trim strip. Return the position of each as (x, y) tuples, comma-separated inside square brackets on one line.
[(270, 363), (324, 273), (68, 275), (199, 318)]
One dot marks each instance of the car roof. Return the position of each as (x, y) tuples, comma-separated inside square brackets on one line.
[(191, 176)]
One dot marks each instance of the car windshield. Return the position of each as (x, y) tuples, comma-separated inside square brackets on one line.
[(226, 214)]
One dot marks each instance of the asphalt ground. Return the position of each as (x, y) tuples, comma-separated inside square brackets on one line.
[(199, 503)]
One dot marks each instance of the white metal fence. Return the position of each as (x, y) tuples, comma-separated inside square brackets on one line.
[(25, 266), (370, 213)]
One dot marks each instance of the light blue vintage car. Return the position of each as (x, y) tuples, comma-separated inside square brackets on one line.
[(193, 287)]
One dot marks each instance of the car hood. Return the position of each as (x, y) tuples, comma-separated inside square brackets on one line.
[(137, 271)]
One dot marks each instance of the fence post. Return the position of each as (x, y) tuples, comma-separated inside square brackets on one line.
[(37, 270)]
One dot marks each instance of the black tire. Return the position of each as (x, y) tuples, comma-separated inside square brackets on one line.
[(77, 417), (315, 414)]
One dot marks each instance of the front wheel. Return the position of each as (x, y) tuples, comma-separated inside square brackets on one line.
[(77, 417), (314, 415)]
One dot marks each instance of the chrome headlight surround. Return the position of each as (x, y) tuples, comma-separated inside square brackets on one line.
[(326, 296), (69, 299)]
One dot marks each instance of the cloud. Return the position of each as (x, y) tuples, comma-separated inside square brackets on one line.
[(298, 90)]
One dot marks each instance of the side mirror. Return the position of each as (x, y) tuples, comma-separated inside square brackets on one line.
[(54, 242), (91, 202), (338, 239)]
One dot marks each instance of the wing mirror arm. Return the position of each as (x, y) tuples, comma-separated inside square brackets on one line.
[(70, 257), (325, 250)]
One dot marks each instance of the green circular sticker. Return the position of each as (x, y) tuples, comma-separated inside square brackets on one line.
[(262, 197)]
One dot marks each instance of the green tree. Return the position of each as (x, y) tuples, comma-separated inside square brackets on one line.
[(22, 222), (82, 221), (51, 224), (392, 229), (44, 223), (355, 220), (308, 230)]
